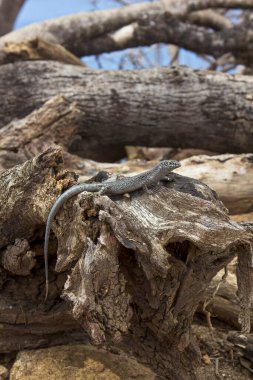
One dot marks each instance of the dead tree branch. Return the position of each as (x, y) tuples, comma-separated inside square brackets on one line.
[(137, 24), (8, 13)]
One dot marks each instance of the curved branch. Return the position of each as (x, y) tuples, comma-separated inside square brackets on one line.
[(74, 32), (209, 19), (8, 13), (196, 5), (172, 31)]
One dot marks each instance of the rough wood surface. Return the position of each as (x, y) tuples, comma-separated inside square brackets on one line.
[(135, 25), (230, 175), (8, 13), (56, 122), (37, 49), (165, 107), (26, 194), (225, 305), (137, 267)]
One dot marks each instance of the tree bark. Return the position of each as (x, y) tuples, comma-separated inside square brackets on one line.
[(8, 13), (135, 25), (229, 175), (224, 305), (37, 49), (56, 122), (166, 107), (32, 185), (137, 267)]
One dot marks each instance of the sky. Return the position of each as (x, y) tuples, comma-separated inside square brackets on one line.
[(39, 10)]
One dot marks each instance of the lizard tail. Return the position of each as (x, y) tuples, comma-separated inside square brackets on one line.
[(74, 190), (47, 233)]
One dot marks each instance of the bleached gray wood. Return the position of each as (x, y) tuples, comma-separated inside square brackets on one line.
[(175, 106)]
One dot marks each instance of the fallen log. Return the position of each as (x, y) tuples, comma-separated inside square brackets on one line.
[(57, 122), (137, 266), (194, 109)]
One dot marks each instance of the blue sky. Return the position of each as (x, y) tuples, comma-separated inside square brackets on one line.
[(39, 10)]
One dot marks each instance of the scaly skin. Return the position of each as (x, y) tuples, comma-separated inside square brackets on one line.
[(121, 186)]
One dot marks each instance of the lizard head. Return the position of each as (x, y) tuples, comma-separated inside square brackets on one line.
[(168, 165)]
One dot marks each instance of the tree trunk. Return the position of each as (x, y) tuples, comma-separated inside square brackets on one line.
[(167, 107), (137, 266)]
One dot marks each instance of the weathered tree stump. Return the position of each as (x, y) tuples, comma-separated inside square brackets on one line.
[(137, 267)]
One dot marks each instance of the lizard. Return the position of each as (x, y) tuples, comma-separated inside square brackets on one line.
[(120, 186)]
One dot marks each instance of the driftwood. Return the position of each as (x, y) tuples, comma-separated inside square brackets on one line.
[(137, 266), (160, 107)]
